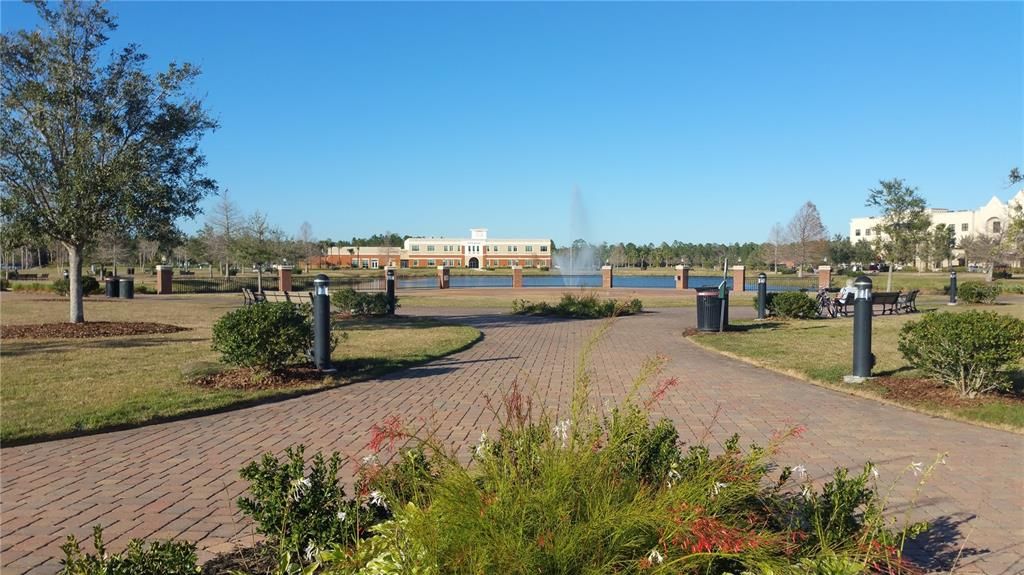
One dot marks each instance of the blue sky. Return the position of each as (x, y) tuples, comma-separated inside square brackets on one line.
[(695, 122)]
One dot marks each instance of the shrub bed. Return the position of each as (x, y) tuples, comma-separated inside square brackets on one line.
[(978, 292), (968, 351), (265, 336), (361, 303), (789, 305), (587, 306), (90, 285)]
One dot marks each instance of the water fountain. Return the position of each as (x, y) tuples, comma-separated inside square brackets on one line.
[(580, 258)]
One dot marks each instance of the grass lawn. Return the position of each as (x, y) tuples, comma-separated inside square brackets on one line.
[(52, 388), (821, 351)]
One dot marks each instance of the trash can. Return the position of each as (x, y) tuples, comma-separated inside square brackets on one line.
[(112, 286), (709, 310), (127, 288)]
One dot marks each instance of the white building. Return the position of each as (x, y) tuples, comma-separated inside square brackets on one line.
[(477, 251), (992, 218)]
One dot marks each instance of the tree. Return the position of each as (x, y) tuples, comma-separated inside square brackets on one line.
[(222, 231), (87, 146), (840, 250), (807, 236), (985, 249), (904, 220), (940, 242), (776, 239), (259, 245), (307, 243)]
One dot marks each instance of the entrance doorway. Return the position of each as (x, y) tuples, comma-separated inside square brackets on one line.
[(474, 263)]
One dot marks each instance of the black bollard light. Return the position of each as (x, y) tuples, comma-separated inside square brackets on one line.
[(322, 324), (952, 287), (389, 287), (862, 309), (762, 294)]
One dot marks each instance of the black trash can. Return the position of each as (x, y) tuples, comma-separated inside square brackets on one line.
[(127, 288), (709, 310), (112, 286)]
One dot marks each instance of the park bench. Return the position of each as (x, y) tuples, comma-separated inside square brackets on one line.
[(908, 302), (250, 297), (22, 276), (844, 307), (889, 300)]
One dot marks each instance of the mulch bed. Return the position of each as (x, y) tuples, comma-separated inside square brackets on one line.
[(260, 558), (916, 391), (248, 379), (85, 330)]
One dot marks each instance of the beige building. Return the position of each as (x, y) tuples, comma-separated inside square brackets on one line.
[(992, 218), (476, 251)]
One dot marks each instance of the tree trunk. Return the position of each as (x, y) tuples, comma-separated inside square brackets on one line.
[(888, 281), (259, 279), (75, 283)]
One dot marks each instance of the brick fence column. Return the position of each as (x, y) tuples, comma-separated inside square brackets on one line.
[(824, 277), (682, 277), (517, 277), (284, 278), (163, 279), (606, 277), (443, 277), (739, 278)]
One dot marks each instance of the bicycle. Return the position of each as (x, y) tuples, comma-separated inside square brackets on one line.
[(824, 303)]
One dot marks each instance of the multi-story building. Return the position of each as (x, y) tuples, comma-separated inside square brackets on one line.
[(990, 219), (477, 251)]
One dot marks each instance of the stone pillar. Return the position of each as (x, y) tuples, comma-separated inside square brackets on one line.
[(517, 277), (606, 277), (443, 281), (284, 278), (739, 278), (682, 277), (163, 279), (824, 277)]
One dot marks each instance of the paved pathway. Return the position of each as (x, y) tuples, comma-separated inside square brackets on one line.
[(180, 479)]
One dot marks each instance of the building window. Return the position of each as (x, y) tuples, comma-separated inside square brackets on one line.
[(430, 262), (374, 264), (415, 263), (856, 232), (430, 248), (529, 248), (867, 232), (963, 227), (415, 247), (543, 248), (512, 248), (997, 226)]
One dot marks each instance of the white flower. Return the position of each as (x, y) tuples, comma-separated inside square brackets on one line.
[(874, 472), (311, 551), (377, 498), (562, 431), (943, 459), (917, 467), (673, 474), (801, 471), (481, 445), (299, 488), (655, 557), (718, 486), (341, 516), (806, 491), (372, 458)]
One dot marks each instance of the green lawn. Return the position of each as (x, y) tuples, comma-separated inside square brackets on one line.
[(53, 388), (821, 351)]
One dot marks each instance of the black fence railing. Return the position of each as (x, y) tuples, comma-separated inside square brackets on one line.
[(232, 284), (784, 283)]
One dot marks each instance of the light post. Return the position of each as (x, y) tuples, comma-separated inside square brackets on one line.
[(762, 294), (389, 275), (952, 287), (863, 360), (322, 324)]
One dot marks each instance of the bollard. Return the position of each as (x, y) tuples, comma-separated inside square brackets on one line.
[(322, 324), (762, 294), (952, 287), (389, 287), (863, 360)]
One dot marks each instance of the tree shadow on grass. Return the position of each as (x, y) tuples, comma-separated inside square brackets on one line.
[(943, 547), (26, 348), (756, 326)]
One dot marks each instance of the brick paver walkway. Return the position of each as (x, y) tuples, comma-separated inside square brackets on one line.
[(180, 479)]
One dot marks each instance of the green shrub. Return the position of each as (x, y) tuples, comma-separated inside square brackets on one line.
[(361, 303), (977, 292), (1010, 287), (89, 286), (967, 351), (793, 305), (144, 289), (587, 306), (265, 336), (139, 558), (298, 511), (5, 284)]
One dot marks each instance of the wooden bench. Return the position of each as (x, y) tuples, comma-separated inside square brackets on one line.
[(21, 276), (250, 297), (889, 300), (844, 307)]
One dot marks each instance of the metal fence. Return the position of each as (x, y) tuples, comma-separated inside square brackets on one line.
[(784, 283), (233, 284)]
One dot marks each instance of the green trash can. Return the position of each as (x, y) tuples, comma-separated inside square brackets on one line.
[(126, 290)]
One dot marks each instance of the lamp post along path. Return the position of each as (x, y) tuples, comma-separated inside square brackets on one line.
[(322, 324), (762, 294), (863, 359)]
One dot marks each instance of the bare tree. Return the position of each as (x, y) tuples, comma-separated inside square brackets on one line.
[(776, 239), (807, 236), (306, 242), (224, 227)]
